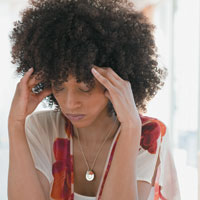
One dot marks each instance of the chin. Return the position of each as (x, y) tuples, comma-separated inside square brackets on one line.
[(80, 123)]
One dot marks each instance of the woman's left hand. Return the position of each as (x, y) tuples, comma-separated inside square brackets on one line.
[(119, 92)]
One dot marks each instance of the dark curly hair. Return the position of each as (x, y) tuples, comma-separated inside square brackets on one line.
[(62, 37)]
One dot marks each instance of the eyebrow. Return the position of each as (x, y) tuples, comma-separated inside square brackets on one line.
[(85, 84)]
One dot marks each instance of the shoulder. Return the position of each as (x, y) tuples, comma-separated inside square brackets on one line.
[(46, 122), (44, 117), (153, 131)]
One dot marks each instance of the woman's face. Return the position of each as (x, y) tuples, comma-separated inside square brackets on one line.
[(76, 98)]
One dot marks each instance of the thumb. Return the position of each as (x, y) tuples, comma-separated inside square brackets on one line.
[(107, 94), (46, 92)]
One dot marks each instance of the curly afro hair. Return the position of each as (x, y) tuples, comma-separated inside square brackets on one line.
[(62, 37)]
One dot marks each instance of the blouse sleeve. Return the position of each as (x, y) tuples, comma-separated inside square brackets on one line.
[(149, 151), (166, 185), (154, 146), (39, 144)]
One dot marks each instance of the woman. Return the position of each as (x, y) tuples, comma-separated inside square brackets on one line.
[(96, 62)]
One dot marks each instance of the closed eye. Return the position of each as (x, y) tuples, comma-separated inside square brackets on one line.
[(58, 89), (84, 90)]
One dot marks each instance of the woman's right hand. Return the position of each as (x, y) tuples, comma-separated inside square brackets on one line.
[(25, 101)]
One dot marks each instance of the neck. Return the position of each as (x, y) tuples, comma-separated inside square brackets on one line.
[(97, 131)]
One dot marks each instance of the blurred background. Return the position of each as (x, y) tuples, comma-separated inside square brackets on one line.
[(177, 104)]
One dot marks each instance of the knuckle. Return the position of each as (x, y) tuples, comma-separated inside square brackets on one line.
[(107, 73), (127, 83), (19, 84), (117, 91), (109, 69), (22, 80)]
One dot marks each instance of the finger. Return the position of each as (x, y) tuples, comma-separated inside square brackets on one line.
[(32, 82), (109, 69), (46, 92), (107, 94), (27, 75), (108, 73), (103, 80)]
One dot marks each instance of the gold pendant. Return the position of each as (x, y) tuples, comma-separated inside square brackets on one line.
[(89, 175)]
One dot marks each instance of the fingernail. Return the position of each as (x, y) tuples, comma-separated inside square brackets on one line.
[(94, 70), (30, 69), (94, 66)]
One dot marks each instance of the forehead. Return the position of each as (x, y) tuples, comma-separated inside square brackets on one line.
[(73, 80), (70, 79)]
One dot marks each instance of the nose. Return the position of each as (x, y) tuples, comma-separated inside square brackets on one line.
[(72, 102)]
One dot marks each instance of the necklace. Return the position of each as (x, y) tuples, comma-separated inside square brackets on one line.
[(90, 175)]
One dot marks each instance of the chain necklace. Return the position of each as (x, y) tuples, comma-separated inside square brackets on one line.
[(90, 175)]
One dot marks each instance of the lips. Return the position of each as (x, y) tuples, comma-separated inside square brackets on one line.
[(74, 117)]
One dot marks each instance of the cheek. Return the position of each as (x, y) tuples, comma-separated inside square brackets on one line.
[(97, 102), (61, 99)]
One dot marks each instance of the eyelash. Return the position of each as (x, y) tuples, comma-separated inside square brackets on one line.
[(60, 89), (84, 90)]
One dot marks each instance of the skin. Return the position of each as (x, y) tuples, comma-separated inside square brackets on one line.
[(108, 86), (77, 98), (24, 101), (119, 92), (24, 182)]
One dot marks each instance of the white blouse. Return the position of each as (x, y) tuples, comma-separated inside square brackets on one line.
[(43, 127), (82, 197)]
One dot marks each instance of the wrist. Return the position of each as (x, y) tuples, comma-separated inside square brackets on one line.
[(14, 125), (132, 134), (16, 119), (132, 124)]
